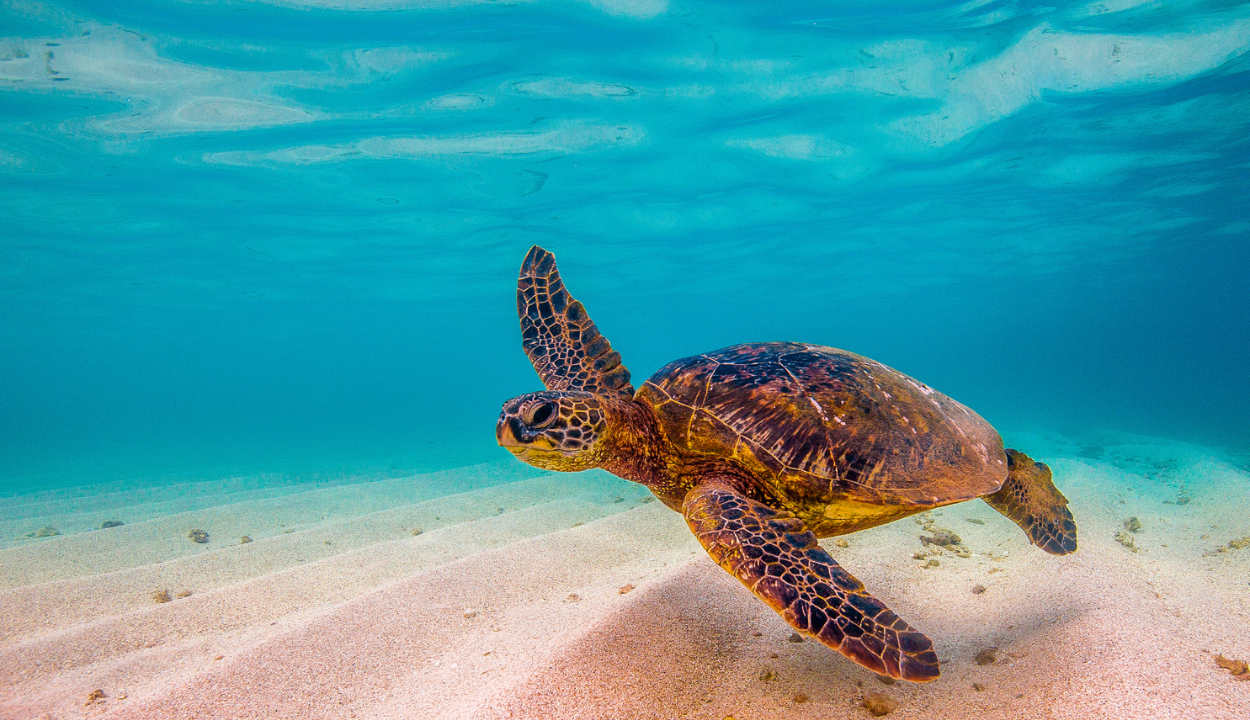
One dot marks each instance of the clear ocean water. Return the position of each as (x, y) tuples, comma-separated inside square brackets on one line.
[(257, 233), (251, 232), (254, 251)]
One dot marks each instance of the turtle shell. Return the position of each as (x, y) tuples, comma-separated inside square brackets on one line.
[(821, 424)]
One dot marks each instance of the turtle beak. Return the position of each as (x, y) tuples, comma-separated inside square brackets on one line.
[(507, 435), (517, 439)]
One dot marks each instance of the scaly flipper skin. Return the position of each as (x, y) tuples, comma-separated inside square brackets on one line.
[(1030, 499), (774, 555), (558, 336)]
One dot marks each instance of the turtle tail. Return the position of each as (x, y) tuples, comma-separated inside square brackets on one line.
[(1030, 499)]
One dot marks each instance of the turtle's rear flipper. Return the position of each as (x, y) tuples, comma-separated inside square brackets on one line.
[(774, 555), (1030, 499)]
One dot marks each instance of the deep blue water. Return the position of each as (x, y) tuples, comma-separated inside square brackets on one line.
[(252, 234)]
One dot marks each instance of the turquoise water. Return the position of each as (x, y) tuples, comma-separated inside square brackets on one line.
[(284, 236)]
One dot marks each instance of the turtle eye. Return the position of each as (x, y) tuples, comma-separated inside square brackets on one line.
[(541, 415)]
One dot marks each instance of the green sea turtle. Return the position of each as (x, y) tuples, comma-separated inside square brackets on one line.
[(765, 447)]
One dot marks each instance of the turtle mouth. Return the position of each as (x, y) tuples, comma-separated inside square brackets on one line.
[(526, 452), (537, 456)]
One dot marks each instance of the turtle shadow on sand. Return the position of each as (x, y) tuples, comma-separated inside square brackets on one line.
[(691, 643), (681, 643), (763, 448)]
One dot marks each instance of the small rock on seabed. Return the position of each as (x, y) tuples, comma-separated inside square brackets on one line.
[(879, 704), (1237, 668)]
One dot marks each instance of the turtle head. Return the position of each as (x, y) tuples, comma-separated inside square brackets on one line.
[(555, 430)]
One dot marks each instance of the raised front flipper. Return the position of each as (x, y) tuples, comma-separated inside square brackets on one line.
[(774, 555), (563, 344)]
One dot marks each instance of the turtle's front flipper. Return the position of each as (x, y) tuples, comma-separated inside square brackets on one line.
[(1030, 499), (563, 344), (774, 555)]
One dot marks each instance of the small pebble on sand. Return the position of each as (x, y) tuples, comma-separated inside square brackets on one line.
[(879, 704), (110, 524), (978, 589), (1126, 540), (94, 697), (800, 698), (978, 687), (986, 656), (417, 531), (198, 536), (1237, 668), (795, 638), (841, 543), (161, 596), (470, 613), (624, 589)]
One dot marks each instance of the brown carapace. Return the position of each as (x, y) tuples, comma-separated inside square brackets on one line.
[(765, 447)]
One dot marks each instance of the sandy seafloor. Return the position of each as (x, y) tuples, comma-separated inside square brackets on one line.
[(508, 603)]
